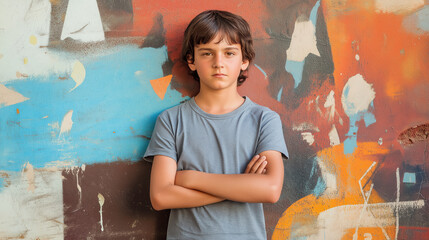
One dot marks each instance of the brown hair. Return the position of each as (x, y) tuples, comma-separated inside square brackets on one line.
[(204, 28)]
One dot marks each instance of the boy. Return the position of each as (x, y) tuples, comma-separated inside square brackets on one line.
[(217, 157)]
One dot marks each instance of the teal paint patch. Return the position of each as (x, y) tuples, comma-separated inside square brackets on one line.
[(114, 112), (320, 187), (262, 70), (279, 95), (295, 68), (409, 178)]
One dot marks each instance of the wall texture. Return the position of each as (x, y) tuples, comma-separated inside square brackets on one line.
[(82, 81)]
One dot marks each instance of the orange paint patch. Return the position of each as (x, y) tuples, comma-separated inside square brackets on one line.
[(298, 220), (160, 85), (17, 111)]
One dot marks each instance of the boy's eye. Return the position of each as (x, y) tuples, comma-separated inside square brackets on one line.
[(206, 54), (230, 53)]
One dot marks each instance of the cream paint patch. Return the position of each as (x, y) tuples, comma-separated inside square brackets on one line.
[(303, 42), (34, 214), (398, 6), (334, 138), (24, 31), (357, 95), (308, 137), (83, 21), (330, 105), (29, 174), (101, 203), (10, 97), (78, 74), (305, 127), (67, 123), (335, 222)]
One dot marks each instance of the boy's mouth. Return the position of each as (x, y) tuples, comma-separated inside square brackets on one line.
[(218, 75)]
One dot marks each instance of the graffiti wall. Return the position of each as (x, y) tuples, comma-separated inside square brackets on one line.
[(82, 82)]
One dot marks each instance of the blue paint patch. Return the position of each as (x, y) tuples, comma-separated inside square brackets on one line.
[(114, 112), (296, 69), (262, 70), (320, 187), (279, 95), (409, 177), (313, 13), (369, 119), (423, 18), (350, 143)]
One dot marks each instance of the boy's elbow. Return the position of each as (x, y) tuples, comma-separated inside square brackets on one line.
[(274, 193), (157, 203)]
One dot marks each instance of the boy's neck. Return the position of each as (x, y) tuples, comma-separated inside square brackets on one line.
[(219, 102)]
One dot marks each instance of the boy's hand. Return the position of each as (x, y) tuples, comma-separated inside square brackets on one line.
[(257, 165)]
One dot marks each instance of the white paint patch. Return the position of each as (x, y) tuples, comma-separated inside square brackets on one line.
[(380, 141), (330, 104), (303, 41), (398, 6), (329, 177), (24, 30), (101, 202), (67, 123), (357, 57), (335, 222), (334, 138), (83, 21), (357, 95), (331, 182), (308, 137), (78, 74), (10, 97), (305, 127), (34, 214)]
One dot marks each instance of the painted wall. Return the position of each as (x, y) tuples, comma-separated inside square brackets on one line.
[(82, 81)]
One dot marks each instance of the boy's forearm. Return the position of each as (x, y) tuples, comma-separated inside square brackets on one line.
[(239, 187), (164, 194), (235, 187), (175, 196)]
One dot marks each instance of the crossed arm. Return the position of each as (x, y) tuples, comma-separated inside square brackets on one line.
[(261, 182)]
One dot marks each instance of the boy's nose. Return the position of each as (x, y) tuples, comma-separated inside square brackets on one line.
[(218, 62)]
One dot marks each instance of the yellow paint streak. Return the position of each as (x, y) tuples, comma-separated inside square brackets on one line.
[(348, 169), (25, 60), (33, 40)]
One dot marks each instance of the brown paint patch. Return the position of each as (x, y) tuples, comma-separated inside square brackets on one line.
[(127, 212), (414, 134), (6, 181)]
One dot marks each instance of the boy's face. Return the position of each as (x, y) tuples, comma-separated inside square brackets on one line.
[(218, 64)]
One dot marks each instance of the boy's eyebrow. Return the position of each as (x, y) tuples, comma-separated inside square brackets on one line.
[(227, 48)]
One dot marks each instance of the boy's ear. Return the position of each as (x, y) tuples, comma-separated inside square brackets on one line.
[(244, 64), (191, 64)]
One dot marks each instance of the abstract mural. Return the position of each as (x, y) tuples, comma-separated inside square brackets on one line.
[(82, 82)]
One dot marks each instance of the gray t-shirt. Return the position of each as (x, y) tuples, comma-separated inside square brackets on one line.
[(223, 144)]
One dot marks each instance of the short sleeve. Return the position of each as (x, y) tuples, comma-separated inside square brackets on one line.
[(162, 141), (271, 135)]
